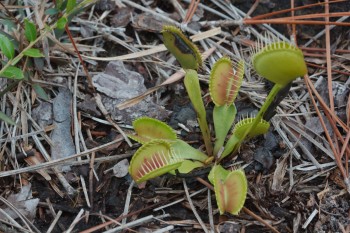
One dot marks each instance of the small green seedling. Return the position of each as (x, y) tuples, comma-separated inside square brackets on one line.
[(14, 64), (162, 152)]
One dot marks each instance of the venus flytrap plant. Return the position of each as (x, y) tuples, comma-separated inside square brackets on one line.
[(280, 63), (162, 152)]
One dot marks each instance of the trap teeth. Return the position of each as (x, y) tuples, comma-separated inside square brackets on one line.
[(279, 62)]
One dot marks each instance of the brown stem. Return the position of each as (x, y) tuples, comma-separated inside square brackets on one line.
[(293, 9), (80, 58)]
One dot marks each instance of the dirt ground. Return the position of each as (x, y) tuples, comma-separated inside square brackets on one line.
[(286, 188)]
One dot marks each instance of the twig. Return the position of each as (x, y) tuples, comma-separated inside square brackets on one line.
[(83, 184), (24, 219), (287, 21), (301, 145), (127, 202), (210, 213), (98, 227), (54, 222), (75, 221), (191, 10), (180, 200), (193, 208), (70, 190), (336, 155), (107, 116), (91, 179), (294, 9), (318, 35), (165, 229), (56, 162), (136, 223), (309, 219)]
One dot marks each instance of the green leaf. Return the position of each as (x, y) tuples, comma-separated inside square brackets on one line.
[(153, 159), (32, 52), (61, 22), (7, 119), (182, 48), (188, 165), (184, 151), (191, 82), (12, 72), (8, 23), (223, 117), (40, 92), (243, 129), (51, 11), (59, 4), (70, 5), (279, 62), (7, 47), (225, 81), (148, 129), (29, 30), (230, 189)]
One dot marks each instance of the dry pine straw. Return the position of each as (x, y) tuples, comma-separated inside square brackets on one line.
[(291, 117)]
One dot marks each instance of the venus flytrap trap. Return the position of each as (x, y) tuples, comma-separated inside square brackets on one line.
[(225, 81), (182, 48), (162, 152), (230, 189)]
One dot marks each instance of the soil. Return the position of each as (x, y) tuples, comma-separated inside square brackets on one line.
[(286, 207)]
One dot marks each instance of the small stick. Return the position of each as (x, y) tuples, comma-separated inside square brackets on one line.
[(83, 184), (127, 202), (193, 208), (293, 9), (54, 222), (179, 200), (98, 227), (91, 179), (107, 116), (57, 161), (75, 221), (312, 215), (336, 155), (288, 21), (210, 213)]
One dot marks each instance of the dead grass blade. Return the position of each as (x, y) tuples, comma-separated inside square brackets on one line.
[(336, 155)]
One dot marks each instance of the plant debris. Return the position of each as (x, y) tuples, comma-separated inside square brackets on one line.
[(65, 69)]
